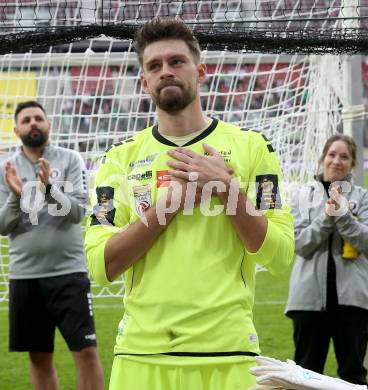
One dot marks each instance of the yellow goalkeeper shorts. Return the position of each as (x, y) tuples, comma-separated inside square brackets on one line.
[(178, 373)]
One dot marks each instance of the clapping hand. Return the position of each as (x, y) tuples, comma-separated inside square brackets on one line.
[(334, 201), (14, 182), (43, 171)]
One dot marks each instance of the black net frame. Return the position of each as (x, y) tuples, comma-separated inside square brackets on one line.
[(284, 26)]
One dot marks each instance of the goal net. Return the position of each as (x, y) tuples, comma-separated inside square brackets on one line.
[(76, 58)]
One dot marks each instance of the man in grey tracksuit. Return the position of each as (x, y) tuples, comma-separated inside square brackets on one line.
[(43, 192)]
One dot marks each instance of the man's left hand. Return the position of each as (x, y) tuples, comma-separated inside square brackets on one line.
[(211, 167)]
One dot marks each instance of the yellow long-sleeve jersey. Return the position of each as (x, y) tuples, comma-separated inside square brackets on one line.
[(192, 292)]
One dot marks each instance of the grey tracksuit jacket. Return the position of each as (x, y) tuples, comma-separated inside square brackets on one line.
[(307, 290), (45, 235)]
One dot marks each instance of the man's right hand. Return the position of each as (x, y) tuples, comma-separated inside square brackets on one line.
[(13, 180)]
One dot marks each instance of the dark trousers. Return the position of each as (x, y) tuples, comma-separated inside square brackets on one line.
[(347, 326)]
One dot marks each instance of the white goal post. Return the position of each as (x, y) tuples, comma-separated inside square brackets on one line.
[(92, 94)]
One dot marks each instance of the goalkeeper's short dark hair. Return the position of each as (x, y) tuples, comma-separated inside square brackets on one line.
[(22, 105), (160, 28)]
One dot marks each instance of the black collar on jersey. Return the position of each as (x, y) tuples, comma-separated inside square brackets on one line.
[(204, 134)]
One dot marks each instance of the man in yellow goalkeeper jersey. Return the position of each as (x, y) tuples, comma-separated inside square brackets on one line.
[(185, 210)]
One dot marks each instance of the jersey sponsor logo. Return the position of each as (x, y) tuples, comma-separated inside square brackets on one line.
[(268, 196), (146, 161), (226, 154), (163, 178), (140, 176), (142, 198), (104, 211)]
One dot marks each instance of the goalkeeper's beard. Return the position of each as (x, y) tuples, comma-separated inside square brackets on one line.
[(173, 100)]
